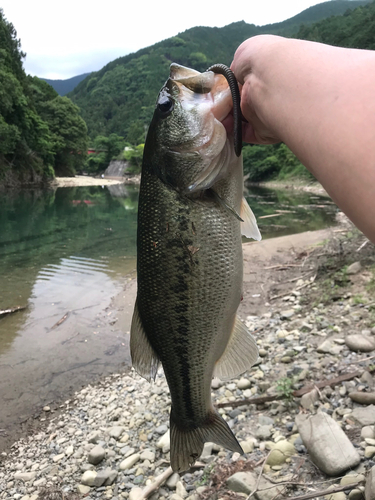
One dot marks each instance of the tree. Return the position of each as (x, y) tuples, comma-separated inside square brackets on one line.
[(68, 133)]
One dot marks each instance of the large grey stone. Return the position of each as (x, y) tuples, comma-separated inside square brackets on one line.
[(364, 398), (245, 482), (327, 444), (25, 476), (96, 455), (370, 485), (359, 342), (364, 416)]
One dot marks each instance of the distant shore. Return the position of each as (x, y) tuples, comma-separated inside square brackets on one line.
[(85, 180)]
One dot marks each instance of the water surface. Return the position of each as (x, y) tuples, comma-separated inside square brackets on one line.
[(64, 254)]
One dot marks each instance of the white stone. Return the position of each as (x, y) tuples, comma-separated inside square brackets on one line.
[(130, 461)]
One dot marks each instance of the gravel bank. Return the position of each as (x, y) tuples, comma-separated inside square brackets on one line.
[(111, 440)]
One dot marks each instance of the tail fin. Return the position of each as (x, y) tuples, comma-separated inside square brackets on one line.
[(187, 445)]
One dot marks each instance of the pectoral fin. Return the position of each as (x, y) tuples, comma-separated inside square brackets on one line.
[(240, 355), (144, 358), (249, 226)]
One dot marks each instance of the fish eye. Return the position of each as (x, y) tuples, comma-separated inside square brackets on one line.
[(165, 106)]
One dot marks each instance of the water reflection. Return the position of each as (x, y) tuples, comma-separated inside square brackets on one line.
[(281, 212)]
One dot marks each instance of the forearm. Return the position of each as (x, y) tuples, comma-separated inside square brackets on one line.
[(319, 100)]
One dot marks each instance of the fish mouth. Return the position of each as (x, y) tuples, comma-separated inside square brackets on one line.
[(207, 101)]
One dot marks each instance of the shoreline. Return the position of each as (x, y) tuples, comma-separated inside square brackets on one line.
[(86, 180)]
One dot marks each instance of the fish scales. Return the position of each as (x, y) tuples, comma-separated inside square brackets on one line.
[(189, 262), (183, 297)]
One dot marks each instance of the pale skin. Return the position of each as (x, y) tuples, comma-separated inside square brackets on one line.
[(320, 101)]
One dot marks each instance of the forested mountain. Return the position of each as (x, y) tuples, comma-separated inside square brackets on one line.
[(312, 15), (355, 29), (120, 97), (63, 87), (40, 132)]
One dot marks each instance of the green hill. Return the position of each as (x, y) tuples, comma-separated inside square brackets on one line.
[(354, 29), (120, 97), (63, 87)]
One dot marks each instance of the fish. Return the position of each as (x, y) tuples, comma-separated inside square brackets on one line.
[(189, 259)]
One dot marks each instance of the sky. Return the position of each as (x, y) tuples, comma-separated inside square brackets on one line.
[(70, 37)]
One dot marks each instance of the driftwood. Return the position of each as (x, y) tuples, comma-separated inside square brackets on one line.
[(331, 491), (12, 310), (61, 320), (304, 390)]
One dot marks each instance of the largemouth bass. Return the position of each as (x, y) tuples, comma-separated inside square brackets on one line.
[(189, 261)]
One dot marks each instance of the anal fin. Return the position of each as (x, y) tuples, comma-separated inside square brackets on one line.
[(249, 226), (240, 355), (144, 359)]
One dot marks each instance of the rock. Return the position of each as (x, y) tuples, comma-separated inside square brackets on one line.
[(247, 446), (25, 476), (172, 481), (180, 490), (280, 452), (370, 485), (245, 482), (83, 489), (364, 416), (326, 347), (369, 451), (88, 478), (111, 476), (354, 268), (356, 494), (358, 342), (263, 432), (103, 476), (93, 437), (327, 444), (162, 429), (135, 493), (309, 399), (147, 455), (368, 432), (207, 451), (164, 442), (364, 398), (96, 455), (130, 461), (351, 478), (336, 496), (116, 431), (243, 384), (287, 314)]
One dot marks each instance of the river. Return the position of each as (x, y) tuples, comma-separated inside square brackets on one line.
[(64, 255)]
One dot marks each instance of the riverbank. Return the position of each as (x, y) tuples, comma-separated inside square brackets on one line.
[(86, 180), (291, 184), (110, 440)]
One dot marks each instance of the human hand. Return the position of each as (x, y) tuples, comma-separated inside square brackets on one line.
[(253, 68)]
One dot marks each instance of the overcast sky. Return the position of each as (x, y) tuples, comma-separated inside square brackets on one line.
[(70, 37)]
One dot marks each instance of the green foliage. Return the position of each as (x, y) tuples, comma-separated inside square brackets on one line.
[(107, 148), (40, 132), (355, 29), (262, 163), (285, 388), (134, 157)]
